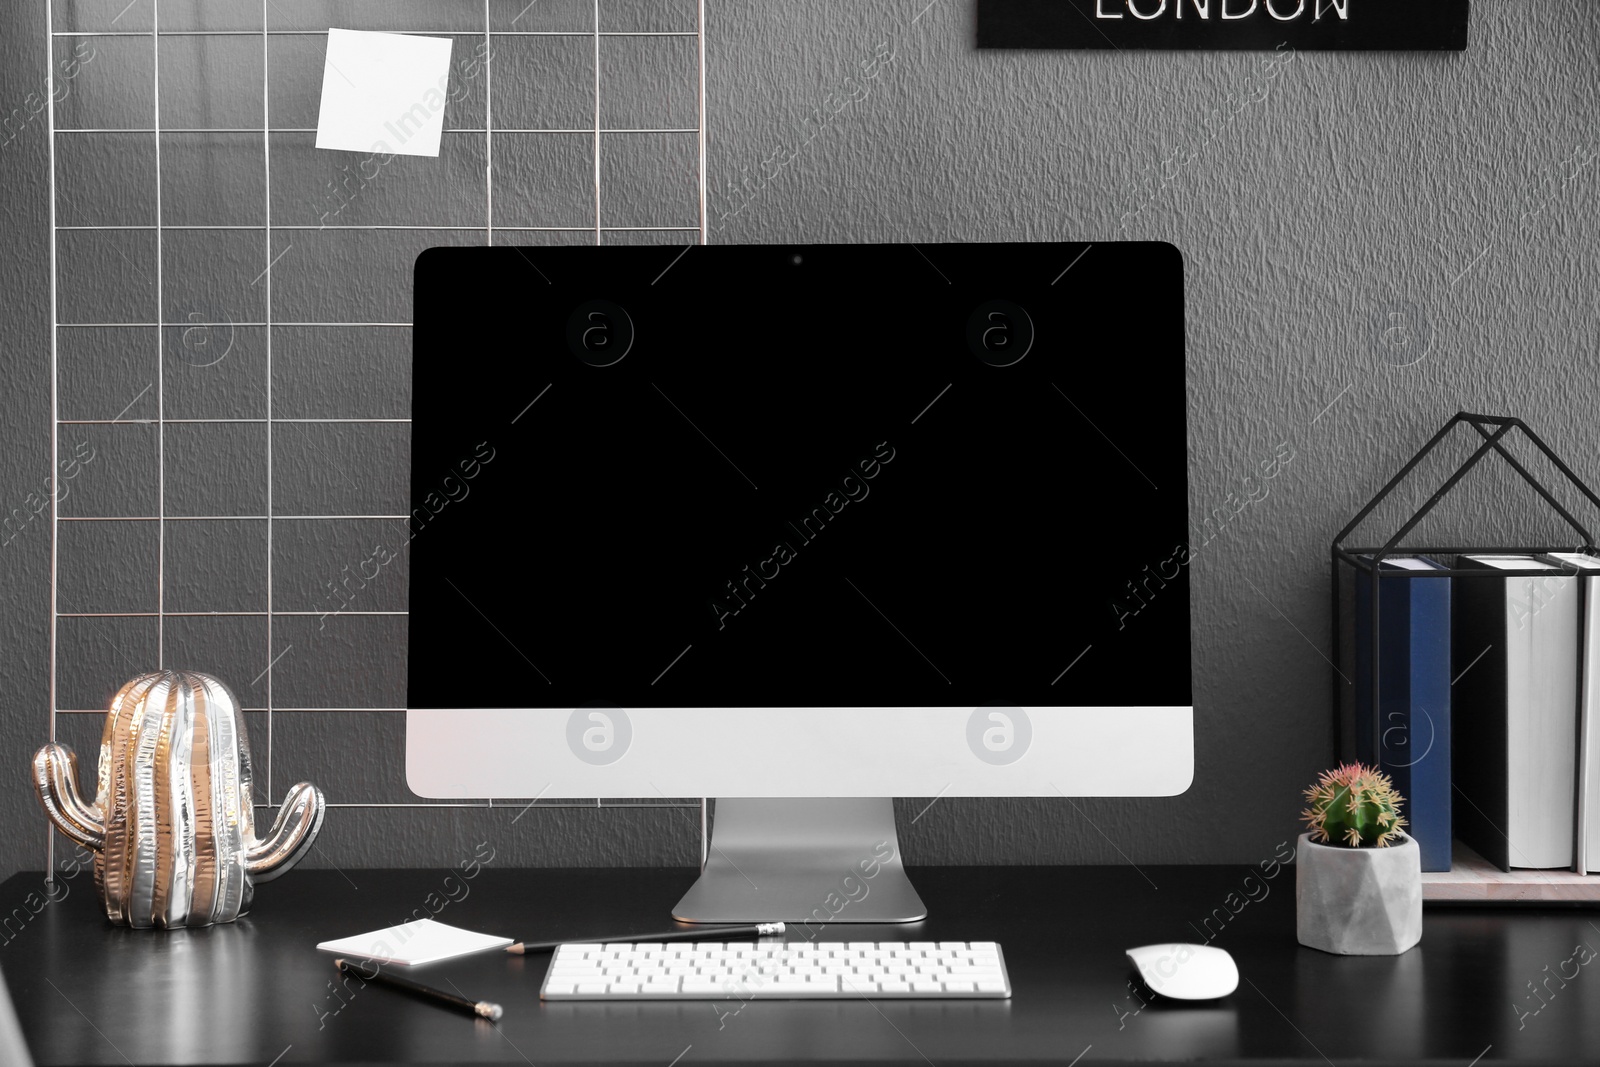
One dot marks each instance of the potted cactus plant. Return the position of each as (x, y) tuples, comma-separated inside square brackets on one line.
[(1358, 875)]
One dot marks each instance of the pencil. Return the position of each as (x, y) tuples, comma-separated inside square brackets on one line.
[(481, 1008), (710, 932)]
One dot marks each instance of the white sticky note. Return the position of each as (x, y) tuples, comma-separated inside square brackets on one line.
[(412, 943), (384, 92)]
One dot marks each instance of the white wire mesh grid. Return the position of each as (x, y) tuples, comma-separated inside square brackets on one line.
[(158, 227)]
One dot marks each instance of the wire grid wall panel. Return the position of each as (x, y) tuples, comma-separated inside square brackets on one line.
[(230, 332)]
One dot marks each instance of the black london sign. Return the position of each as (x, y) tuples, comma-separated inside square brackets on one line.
[(1228, 25)]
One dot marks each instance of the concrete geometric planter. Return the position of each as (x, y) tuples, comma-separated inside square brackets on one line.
[(1358, 901)]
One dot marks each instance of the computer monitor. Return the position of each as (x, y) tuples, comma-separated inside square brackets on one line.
[(802, 529)]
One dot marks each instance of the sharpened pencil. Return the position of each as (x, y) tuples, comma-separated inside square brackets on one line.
[(481, 1008), (710, 933)]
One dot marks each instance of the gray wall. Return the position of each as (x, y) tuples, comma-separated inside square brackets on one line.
[(1320, 204)]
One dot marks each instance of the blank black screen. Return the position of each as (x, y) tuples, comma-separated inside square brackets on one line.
[(811, 480)]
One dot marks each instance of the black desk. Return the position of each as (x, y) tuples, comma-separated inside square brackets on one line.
[(258, 992)]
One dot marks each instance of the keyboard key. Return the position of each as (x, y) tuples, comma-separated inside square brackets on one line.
[(704, 988), (811, 987)]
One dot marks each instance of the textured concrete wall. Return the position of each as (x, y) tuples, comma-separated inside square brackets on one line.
[(1372, 243)]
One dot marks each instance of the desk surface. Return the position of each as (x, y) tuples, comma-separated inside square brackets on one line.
[(257, 991)]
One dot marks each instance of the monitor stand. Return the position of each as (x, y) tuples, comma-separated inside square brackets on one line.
[(806, 861)]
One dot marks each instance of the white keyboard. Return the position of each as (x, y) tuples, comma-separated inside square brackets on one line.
[(778, 971)]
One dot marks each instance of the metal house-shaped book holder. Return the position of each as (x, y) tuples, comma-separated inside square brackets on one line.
[(1495, 433)]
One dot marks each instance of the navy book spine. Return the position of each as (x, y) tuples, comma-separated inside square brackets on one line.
[(1412, 743)]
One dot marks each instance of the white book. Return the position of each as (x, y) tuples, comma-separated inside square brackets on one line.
[(1587, 836), (414, 943), (1540, 633)]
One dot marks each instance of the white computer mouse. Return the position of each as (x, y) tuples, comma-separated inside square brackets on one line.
[(1186, 972)]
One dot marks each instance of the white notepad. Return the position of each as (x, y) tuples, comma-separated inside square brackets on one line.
[(412, 943), (384, 92)]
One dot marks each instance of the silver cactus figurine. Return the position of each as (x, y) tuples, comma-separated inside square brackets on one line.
[(172, 825)]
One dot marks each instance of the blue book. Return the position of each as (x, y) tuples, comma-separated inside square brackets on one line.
[(1412, 745)]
